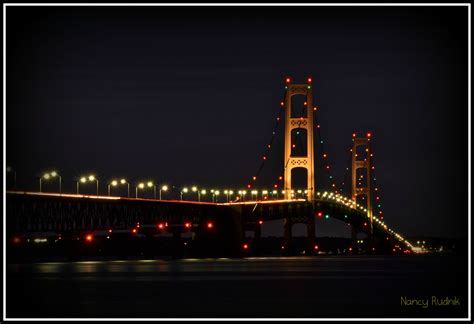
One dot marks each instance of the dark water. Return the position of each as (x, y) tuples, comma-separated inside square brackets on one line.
[(322, 286)]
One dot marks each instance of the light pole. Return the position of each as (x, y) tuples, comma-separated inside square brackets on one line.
[(231, 192), (203, 192), (216, 194), (113, 183), (84, 180), (141, 185), (254, 192), (10, 170), (195, 189), (275, 193), (264, 194), (164, 188), (183, 191), (93, 178), (123, 181), (47, 176), (226, 192), (151, 184)]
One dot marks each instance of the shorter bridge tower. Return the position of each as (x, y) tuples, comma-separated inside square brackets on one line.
[(365, 163)]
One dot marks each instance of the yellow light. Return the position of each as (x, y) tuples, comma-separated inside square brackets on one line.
[(283, 192), (141, 185), (244, 192), (194, 189), (226, 192), (123, 181), (275, 192), (185, 190), (239, 192), (254, 192), (265, 192), (114, 183), (83, 179), (231, 192), (203, 191), (149, 184), (91, 178), (216, 192), (299, 191), (46, 176), (54, 173), (164, 188)]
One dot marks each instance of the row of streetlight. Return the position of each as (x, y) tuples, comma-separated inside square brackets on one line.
[(164, 188)]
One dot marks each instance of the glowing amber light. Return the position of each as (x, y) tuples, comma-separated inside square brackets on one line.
[(280, 178), (89, 237), (161, 226), (134, 231), (210, 225), (254, 178), (187, 225)]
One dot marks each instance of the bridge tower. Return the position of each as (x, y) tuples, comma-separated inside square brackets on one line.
[(366, 163), (306, 162)]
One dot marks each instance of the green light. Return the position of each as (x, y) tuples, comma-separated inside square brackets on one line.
[(327, 216)]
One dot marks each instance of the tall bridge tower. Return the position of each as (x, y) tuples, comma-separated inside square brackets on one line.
[(304, 122), (361, 162)]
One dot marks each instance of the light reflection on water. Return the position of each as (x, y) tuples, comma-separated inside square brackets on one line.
[(200, 266)]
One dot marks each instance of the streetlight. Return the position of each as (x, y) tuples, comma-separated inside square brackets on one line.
[(141, 185), (164, 188), (183, 191), (216, 194), (264, 193), (244, 192), (195, 189), (10, 170), (275, 193), (149, 185), (47, 176), (85, 179), (226, 192), (203, 192), (123, 181), (113, 183), (230, 194), (254, 192)]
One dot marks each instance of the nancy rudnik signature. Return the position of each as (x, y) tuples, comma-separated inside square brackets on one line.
[(427, 302)]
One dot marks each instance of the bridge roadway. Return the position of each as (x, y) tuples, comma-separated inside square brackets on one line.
[(29, 212)]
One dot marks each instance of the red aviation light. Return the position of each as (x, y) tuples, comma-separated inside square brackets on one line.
[(354, 134), (161, 225), (316, 247), (187, 225), (310, 80), (288, 80), (260, 222), (245, 246), (320, 214), (134, 230), (369, 134)]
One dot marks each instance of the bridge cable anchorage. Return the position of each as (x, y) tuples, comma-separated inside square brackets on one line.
[(268, 147)]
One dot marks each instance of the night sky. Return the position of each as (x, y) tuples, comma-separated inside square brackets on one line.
[(190, 95)]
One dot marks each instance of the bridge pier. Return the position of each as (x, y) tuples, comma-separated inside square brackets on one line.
[(287, 246), (310, 227)]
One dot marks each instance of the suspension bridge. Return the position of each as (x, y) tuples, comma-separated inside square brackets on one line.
[(224, 224)]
